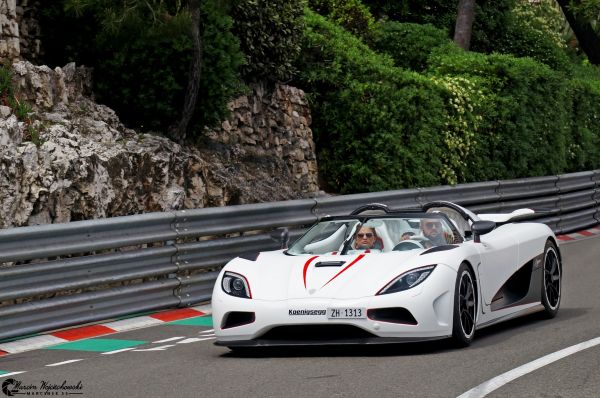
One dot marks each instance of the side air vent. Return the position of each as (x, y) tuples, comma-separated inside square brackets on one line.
[(237, 318), (330, 264), (392, 315)]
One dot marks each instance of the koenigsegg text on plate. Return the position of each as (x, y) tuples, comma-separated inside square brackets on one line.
[(379, 275)]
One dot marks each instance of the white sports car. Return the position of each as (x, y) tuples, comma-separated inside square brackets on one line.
[(381, 276)]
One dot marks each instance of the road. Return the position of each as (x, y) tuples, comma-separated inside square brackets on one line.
[(179, 360)]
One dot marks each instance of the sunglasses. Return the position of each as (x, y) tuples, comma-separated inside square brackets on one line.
[(368, 235), (433, 224)]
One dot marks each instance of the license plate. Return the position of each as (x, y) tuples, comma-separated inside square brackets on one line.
[(346, 313)]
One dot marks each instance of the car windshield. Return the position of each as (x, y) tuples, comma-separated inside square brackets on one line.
[(385, 234)]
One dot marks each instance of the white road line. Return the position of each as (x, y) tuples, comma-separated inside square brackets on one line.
[(493, 384), (118, 351), (206, 331), (65, 362), (169, 339), (11, 374), (161, 348), (193, 340)]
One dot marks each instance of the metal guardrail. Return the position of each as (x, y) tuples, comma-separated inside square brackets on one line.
[(57, 275)]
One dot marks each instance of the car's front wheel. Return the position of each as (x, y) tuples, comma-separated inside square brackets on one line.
[(551, 281), (465, 307)]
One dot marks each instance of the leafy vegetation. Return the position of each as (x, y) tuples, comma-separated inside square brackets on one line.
[(269, 32), (395, 103), (21, 109), (141, 69)]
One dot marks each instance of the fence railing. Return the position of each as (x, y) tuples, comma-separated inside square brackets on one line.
[(57, 275)]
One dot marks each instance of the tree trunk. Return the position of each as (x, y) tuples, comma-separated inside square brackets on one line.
[(179, 132), (464, 23), (588, 38)]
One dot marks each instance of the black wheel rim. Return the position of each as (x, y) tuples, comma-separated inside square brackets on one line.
[(466, 304), (552, 278)]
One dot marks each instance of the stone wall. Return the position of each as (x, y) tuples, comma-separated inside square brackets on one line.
[(273, 123), (9, 30), (77, 161), (29, 29)]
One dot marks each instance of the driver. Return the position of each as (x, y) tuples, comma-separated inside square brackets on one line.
[(432, 230), (365, 238)]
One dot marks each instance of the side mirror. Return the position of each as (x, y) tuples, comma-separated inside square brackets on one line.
[(481, 228), (282, 236)]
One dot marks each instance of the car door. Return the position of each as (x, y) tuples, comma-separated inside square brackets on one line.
[(499, 252)]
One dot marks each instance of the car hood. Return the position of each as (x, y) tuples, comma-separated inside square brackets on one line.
[(277, 276)]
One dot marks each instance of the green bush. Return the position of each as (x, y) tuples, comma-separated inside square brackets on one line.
[(583, 151), (352, 15), (269, 34), (407, 43), (521, 40), (6, 89), (379, 127), (440, 13), (141, 68), (526, 116)]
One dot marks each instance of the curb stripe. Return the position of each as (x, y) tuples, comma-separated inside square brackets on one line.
[(31, 343), (592, 231), (565, 238), (176, 315), (132, 323), (586, 233), (85, 332)]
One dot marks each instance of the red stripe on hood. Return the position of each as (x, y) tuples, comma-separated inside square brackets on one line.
[(306, 268), (357, 259)]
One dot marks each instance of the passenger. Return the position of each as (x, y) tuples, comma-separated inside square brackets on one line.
[(432, 230), (365, 238)]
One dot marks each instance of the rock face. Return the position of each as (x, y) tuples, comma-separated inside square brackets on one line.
[(77, 161), (9, 30)]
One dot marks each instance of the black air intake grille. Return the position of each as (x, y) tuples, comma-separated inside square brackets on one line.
[(392, 315), (237, 318)]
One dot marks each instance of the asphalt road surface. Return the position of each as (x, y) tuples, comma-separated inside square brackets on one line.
[(179, 359)]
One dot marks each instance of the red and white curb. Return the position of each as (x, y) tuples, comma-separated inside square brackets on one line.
[(86, 332), (586, 233)]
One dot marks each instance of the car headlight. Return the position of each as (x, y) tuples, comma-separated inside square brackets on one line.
[(236, 285), (407, 280)]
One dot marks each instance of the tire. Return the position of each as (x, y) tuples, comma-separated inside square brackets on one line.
[(551, 280), (465, 307)]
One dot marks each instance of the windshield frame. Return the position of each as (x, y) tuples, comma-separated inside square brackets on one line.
[(363, 218)]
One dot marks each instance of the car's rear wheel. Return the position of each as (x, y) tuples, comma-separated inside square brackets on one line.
[(465, 307), (552, 280)]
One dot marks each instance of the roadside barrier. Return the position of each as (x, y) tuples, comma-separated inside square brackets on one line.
[(57, 275)]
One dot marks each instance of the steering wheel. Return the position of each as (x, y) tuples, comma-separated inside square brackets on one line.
[(409, 244)]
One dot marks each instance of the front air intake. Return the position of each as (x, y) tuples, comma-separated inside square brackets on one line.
[(237, 318), (392, 315)]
